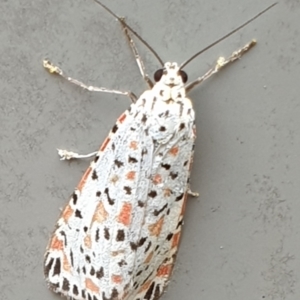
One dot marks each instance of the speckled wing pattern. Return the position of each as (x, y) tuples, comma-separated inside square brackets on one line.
[(118, 235)]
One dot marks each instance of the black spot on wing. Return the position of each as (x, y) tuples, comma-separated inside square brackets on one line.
[(88, 259), (57, 267), (156, 292), (114, 294), (144, 119), (142, 241), (149, 292), (141, 203), (180, 197), (75, 198), (94, 175), (169, 237), (75, 290), (179, 224), (122, 263), (118, 163), (72, 259), (106, 233), (78, 214), (158, 212), (120, 235), (152, 194), (133, 246), (92, 271), (48, 267), (127, 190), (173, 175), (132, 159), (100, 273), (65, 237), (114, 129), (166, 166), (110, 200), (66, 285), (97, 237), (148, 247)]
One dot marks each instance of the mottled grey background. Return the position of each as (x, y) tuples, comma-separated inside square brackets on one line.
[(241, 236)]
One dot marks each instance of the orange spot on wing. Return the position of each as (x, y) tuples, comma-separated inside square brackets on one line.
[(107, 140), (174, 151), (122, 118), (56, 244), (155, 228), (116, 253), (149, 257), (125, 214), (133, 145), (145, 286), (175, 239), (130, 175), (100, 214), (116, 279), (83, 179), (90, 285), (67, 213), (114, 179), (167, 192), (164, 270), (66, 264), (157, 179), (88, 241)]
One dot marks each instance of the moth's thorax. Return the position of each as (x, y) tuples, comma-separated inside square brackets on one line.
[(170, 86)]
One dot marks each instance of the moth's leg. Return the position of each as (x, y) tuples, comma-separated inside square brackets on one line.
[(193, 194), (67, 155), (136, 54), (53, 69), (221, 63)]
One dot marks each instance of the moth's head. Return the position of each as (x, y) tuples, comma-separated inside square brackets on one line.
[(171, 75)]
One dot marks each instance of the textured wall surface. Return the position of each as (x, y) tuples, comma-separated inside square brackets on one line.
[(241, 236)]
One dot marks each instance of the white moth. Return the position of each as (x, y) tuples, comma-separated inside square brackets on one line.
[(118, 235)]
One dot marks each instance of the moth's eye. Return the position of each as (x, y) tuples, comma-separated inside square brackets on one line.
[(184, 76), (158, 74)]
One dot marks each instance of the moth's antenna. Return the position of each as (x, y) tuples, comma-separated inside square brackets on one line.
[(132, 31), (226, 36)]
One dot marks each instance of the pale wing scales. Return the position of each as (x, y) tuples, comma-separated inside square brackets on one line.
[(117, 237), (89, 217)]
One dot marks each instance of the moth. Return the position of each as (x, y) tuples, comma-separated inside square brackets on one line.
[(118, 235)]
